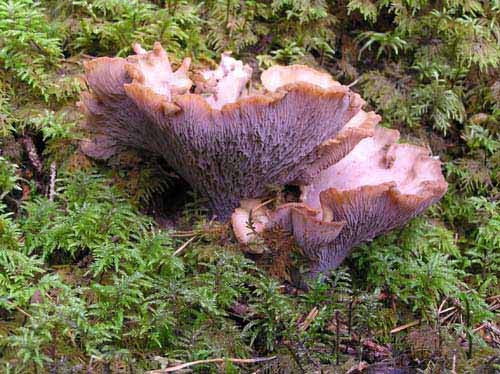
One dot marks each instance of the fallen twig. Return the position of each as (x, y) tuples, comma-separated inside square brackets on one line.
[(491, 327), (353, 83), (20, 310), (479, 328), (213, 361), (447, 309), (404, 327), (204, 231), (494, 307), (182, 247), (447, 316), (52, 185), (442, 304), (304, 325)]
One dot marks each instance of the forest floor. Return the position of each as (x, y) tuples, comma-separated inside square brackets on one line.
[(118, 267)]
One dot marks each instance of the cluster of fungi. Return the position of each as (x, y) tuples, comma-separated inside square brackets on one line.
[(231, 140)]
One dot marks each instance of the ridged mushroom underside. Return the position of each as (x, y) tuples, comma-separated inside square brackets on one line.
[(378, 186), (227, 143)]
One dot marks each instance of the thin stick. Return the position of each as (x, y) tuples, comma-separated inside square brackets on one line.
[(213, 360), (353, 83), (309, 319), (52, 186), (182, 247), (494, 307), (447, 316), (23, 312), (479, 328), (442, 304), (447, 309), (20, 310), (184, 234), (177, 235), (404, 327), (492, 328)]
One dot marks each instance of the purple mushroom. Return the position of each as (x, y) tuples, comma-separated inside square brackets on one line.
[(229, 143), (378, 186)]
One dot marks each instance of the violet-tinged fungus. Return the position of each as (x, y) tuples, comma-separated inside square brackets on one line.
[(378, 186), (227, 144)]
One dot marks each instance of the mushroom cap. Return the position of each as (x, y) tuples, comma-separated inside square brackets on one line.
[(153, 69), (361, 126), (110, 115), (279, 76), (376, 160), (227, 81)]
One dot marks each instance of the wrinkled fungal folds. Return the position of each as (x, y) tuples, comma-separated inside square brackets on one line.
[(231, 142)]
